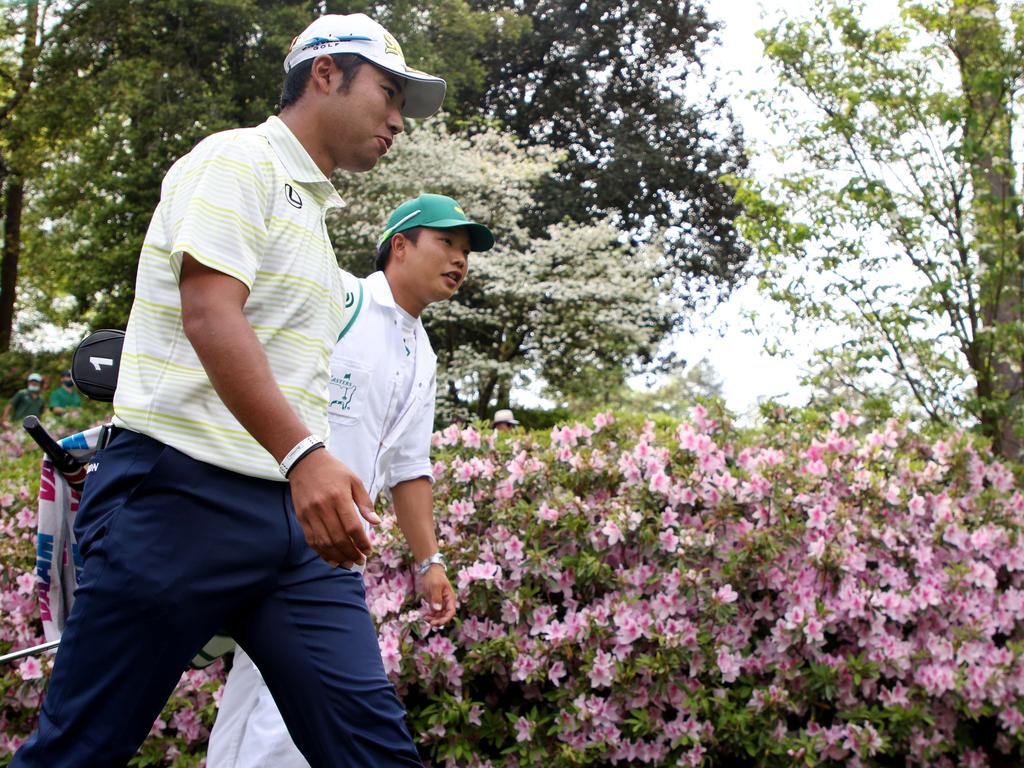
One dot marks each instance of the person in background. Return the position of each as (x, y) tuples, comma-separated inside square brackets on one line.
[(381, 414), (64, 399), (26, 402), (504, 420)]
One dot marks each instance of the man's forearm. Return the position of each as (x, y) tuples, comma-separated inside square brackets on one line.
[(234, 359), (414, 508)]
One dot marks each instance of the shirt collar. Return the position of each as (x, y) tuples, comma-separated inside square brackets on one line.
[(296, 160), (380, 291)]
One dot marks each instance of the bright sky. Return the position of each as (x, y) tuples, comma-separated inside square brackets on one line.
[(747, 371)]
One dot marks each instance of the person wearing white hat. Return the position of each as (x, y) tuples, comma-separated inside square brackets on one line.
[(504, 420), (26, 402), (215, 506)]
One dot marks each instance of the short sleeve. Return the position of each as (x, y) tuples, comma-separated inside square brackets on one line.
[(215, 208), (410, 456)]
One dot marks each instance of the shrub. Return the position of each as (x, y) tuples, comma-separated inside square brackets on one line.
[(819, 591), (815, 592)]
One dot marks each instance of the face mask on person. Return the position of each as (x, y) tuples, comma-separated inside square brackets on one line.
[(67, 383), (33, 387)]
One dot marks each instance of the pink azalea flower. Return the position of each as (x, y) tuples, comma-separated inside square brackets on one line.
[(668, 539), (729, 663), (602, 672), (159, 726), (29, 668), (470, 438), (26, 518), (1012, 720), (26, 583), (548, 514), (556, 672), (660, 482), (612, 532), (391, 653), (514, 550), (479, 571), (726, 594), (186, 723)]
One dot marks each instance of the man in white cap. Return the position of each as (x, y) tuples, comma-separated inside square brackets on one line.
[(215, 505), (381, 413), (26, 402)]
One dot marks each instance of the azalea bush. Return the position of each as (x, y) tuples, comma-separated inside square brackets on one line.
[(179, 735), (818, 591)]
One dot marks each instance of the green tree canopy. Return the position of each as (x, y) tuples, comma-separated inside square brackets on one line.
[(138, 94), (611, 82)]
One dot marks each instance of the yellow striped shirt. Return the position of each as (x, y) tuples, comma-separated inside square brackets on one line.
[(249, 203)]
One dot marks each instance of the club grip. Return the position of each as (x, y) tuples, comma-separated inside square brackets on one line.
[(72, 469)]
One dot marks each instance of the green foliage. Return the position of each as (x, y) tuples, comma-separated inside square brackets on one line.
[(671, 394), (611, 83), (144, 91), (16, 365), (900, 203)]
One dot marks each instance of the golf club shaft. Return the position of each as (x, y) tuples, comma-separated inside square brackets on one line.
[(72, 469), (42, 648)]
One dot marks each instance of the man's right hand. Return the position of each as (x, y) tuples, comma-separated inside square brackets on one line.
[(326, 495)]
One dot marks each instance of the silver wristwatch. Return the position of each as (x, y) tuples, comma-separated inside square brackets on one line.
[(435, 559)]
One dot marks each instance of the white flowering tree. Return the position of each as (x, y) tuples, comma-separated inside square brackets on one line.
[(579, 304)]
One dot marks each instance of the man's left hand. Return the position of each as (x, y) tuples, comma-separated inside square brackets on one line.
[(440, 597)]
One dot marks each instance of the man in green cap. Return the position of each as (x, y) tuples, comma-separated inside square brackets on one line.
[(381, 415)]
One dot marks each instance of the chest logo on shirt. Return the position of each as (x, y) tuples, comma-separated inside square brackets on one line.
[(348, 389), (292, 196)]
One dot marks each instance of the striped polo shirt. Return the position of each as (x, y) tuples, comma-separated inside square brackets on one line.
[(249, 203)]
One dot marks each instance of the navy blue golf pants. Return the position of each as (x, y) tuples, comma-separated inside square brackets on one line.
[(175, 550)]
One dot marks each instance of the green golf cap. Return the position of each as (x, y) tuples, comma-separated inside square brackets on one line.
[(436, 212)]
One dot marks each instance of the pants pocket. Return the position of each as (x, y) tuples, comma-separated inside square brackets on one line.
[(121, 469)]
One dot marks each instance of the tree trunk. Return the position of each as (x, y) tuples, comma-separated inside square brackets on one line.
[(483, 405), (15, 192), (988, 88), (11, 253), (504, 394)]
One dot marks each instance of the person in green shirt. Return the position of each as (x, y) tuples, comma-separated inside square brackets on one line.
[(26, 402), (64, 398)]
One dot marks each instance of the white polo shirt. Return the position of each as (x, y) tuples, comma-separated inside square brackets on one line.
[(249, 203), (383, 384)]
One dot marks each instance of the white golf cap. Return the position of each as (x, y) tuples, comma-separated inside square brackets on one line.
[(358, 33), (503, 416)]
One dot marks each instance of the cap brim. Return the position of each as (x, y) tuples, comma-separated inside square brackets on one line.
[(480, 237), (424, 93)]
